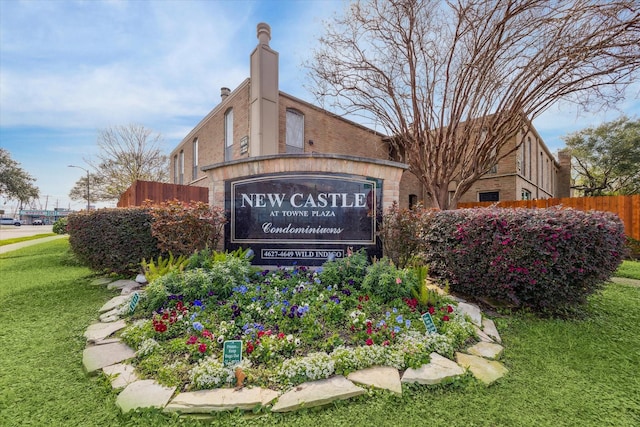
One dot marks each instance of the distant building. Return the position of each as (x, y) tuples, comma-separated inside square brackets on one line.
[(27, 216), (257, 119)]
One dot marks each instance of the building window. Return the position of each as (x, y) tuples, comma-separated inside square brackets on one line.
[(521, 166), (295, 132), (175, 169), (413, 200), (525, 194), (181, 167), (194, 174), (228, 135), (541, 172), (529, 160), (489, 196)]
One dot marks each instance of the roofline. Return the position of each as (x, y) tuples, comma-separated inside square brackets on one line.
[(215, 110), (308, 155), (334, 115)]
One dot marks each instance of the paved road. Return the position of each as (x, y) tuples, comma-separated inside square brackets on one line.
[(11, 231), (20, 245)]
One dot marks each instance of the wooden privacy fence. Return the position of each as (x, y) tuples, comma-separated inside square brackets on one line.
[(626, 207), (159, 192)]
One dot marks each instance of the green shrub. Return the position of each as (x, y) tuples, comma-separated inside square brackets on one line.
[(217, 281), (383, 279), (112, 240), (60, 226), (347, 271), (633, 248), (401, 233), (162, 265), (184, 228), (547, 259)]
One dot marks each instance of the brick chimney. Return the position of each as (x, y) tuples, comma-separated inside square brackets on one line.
[(224, 92), (263, 100), (564, 174)]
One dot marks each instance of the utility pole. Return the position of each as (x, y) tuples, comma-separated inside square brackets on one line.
[(88, 194)]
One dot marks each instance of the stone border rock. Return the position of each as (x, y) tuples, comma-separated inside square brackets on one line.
[(108, 354)]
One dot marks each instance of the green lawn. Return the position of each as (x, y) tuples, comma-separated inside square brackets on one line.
[(24, 238), (562, 373), (629, 269)]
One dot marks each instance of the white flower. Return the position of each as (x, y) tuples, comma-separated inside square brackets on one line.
[(220, 339)]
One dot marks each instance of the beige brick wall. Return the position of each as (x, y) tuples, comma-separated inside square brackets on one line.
[(331, 134), (210, 135), (390, 173)]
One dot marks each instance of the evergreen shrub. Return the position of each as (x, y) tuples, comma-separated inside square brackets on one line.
[(549, 260), (112, 240), (60, 226)]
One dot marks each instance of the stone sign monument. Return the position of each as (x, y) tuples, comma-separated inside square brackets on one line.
[(302, 218)]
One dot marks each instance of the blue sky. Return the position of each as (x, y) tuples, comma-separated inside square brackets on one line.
[(71, 68)]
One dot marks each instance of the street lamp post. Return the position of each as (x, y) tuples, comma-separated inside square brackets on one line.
[(87, 171)]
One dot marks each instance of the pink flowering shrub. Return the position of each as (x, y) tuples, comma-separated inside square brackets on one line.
[(549, 260), (184, 228), (401, 233)]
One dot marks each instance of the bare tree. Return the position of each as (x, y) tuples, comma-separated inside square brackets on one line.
[(453, 81), (126, 154)]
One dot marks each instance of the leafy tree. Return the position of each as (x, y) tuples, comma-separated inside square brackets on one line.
[(15, 183), (96, 189), (453, 81), (126, 154), (606, 158)]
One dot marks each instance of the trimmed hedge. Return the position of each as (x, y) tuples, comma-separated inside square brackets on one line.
[(547, 259), (112, 240)]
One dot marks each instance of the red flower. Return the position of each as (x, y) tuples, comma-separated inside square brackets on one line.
[(281, 335), (432, 310), (207, 334), (449, 309), (192, 339), (260, 334), (385, 343), (268, 332), (249, 347), (160, 327), (202, 348), (369, 341), (445, 318)]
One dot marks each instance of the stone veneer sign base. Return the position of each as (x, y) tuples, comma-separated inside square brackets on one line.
[(108, 354)]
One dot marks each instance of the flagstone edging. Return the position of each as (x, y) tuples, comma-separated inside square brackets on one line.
[(110, 355)]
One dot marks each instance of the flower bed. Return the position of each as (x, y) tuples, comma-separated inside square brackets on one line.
[(295, 324)]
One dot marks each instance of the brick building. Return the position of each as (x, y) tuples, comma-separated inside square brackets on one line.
[(257, 119)]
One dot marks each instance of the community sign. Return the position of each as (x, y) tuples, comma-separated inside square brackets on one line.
[(301, 218)]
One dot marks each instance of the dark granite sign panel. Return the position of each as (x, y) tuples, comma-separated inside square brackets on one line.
[(302, 218)]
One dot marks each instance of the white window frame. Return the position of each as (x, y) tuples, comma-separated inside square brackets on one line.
[(195, 159), (294, 134), (228, 135)]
